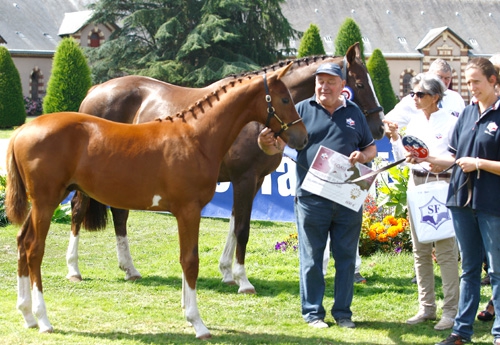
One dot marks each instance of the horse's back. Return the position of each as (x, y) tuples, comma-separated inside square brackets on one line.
[(138, 99)]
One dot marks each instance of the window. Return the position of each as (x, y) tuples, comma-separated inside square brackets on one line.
[(95, 40), (406, 83)]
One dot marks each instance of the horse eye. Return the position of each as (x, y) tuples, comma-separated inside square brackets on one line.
[(359, 85), (285, 100)]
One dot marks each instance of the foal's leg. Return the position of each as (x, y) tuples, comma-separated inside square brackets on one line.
[(79, 205), (125, 261), (31, 246), (24, 304), (188, 223)]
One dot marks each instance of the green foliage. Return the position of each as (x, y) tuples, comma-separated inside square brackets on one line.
[(12, 111), (3, 216), (380, 75), (191, 43), (349, 33), (70, 79), (311, 43), (394, 195)]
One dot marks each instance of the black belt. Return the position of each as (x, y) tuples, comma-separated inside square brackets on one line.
[(419, 173)]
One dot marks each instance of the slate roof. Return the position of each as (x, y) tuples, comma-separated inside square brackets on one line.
[(399, 27), (28, 25)]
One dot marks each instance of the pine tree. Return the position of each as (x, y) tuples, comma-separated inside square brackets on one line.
[(70, 79), (189, 42), (311, 43), (380, 75), (349, 33), (12, 112)]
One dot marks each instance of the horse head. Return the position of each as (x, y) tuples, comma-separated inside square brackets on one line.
[(283, 118), (362, 92)]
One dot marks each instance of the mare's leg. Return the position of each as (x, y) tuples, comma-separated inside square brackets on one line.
[(188, 221), (79, 205), (31, 247), (244, 191), (125, 261)]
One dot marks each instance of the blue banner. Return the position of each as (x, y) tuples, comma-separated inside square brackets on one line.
[(274, 201)]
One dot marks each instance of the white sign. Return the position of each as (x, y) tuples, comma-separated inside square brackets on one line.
[(328, 175)]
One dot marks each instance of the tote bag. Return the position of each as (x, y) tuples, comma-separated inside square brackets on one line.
[(431, 218)]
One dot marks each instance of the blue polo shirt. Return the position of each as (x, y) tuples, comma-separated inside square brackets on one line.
[(476, 135), (345, 131)]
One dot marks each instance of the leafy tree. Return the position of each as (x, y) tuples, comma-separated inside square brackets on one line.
[(349, 33), (380, 75), (12, 111), (311, 43), (70, 79), (188, 42)]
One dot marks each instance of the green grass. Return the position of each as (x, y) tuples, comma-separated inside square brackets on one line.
[(105, 309), (7, 133)]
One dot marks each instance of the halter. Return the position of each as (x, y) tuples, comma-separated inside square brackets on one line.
[(344, 75), (271, 112)]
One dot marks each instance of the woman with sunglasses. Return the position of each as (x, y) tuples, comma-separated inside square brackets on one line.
[(473, 195), (434, 126)]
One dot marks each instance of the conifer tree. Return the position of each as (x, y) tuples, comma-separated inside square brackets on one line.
[(70, 79), (380, 75), (12, 112), (189, 42), (311, 43), (349, 33)]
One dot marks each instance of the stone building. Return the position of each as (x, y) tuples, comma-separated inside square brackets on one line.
[(410, 34)]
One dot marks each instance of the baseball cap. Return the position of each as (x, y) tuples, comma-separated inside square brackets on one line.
[(330, 68)]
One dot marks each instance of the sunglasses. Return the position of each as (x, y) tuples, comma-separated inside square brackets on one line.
[(418, 94)]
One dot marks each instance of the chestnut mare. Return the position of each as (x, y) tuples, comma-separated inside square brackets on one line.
[(135, 99), (176, 159)]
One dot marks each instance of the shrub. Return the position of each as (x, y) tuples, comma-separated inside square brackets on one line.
[(11, 94)]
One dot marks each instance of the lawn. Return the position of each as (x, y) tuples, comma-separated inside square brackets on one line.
[(105, 309)]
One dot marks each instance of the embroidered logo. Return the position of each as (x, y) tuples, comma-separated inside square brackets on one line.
[(347, 92), (434, 213), (350, 122), (491, 128), (439, 136)]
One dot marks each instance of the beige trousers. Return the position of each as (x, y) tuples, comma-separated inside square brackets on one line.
[(446, 252)]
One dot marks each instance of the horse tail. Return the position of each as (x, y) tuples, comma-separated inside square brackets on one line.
[(96, 216), (16, 199)]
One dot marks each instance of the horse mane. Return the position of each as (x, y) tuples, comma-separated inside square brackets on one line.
[(280, 64), (199, 104), (239, 78)]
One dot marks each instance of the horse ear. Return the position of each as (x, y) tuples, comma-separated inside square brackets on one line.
[(283, 71), (353, 52)]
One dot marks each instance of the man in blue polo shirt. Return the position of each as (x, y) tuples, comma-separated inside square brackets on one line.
[(338, 124)]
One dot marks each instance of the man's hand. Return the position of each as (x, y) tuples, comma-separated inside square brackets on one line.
[(269, 144)]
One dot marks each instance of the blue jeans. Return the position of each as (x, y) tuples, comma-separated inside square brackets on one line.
[(475, 229), (316, 218)]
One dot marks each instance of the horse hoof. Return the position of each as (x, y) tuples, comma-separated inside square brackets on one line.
[(47, 330), (75, 279), (133, 278), (205, 336), (248, 291), (229, 282)]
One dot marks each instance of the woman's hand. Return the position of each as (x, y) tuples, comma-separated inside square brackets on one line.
[(391, 130)]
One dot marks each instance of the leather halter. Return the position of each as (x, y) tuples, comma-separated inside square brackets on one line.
[(344, 74), (271, 112)]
